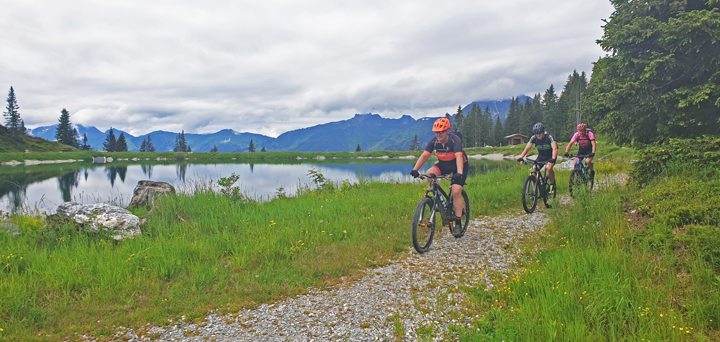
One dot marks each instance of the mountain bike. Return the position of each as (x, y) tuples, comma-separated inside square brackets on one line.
[(436, 203), (580, 176), (536, 186)]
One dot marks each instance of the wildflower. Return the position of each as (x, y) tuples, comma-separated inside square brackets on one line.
[(345, 231)]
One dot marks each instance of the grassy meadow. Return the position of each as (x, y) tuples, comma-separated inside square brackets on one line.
[(210, 251), (637, 263)]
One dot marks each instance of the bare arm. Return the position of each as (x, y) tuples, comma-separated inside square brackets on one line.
[(423, 158), (594, 146), (459, 162)]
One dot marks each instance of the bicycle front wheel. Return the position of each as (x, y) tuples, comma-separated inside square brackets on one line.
[(530, 194), (574, 180), (465, 215), (423, 225)]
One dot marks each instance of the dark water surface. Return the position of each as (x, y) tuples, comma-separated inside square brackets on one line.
[(41, 188)]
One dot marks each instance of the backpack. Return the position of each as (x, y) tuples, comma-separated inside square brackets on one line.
[(455, 131)]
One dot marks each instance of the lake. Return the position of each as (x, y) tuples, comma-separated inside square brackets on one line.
[(41, 188)]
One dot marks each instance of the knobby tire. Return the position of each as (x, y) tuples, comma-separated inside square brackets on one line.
[(423, 226), (465, 215), (529, 194)]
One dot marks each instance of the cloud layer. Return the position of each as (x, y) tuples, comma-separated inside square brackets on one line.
[(272, 66)]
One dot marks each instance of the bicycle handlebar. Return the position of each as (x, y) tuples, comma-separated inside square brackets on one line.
[(423, 176), (534, 162), (582, 156)]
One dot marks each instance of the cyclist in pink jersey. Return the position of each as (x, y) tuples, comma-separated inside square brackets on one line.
[(586, 146)]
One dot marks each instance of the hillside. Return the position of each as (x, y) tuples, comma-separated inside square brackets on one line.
[(20, 143)]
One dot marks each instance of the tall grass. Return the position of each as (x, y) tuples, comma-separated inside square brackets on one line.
[(209, 251), (619, 265)]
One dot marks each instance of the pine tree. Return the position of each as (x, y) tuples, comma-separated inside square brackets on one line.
[(180, 143), (499, 132), (189, 149), (459, 118), (13, 122), (64, 133), (486, 126), (85, 146), (525, 127), (110, 141), (149, 147), (551, 114), (121, 144), (143, 146), (214, 149), (263, 149), (415, 146), (251, 148), (512, 121), (358, 149)]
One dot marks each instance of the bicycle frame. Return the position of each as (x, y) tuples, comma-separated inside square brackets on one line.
[(439, 196)]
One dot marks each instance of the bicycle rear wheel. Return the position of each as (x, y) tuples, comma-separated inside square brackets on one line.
[(423, 225), (549, 194), (465, 215), (529, 194)]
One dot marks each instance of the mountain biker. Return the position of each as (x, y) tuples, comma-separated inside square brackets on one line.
[(452, 158), (586, 146), (547, 150)]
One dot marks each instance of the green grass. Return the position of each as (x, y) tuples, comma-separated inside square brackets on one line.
[(619, 265), (207, 251)]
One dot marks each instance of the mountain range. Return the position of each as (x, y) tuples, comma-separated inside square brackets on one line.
[(371, 131)]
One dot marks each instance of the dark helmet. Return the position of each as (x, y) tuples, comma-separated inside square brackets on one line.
[(538, 128)]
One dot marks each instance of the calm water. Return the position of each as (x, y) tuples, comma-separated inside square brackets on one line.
[(41, 188)]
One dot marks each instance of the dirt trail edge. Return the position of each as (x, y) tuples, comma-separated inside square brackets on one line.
[(417, 297)]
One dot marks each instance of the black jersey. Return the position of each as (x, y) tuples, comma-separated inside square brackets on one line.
[(544, 145)]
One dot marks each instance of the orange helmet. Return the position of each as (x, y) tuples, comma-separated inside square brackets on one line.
[(581, 127), (442, 124)]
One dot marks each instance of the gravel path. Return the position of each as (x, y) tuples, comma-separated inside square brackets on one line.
[(417, 297)]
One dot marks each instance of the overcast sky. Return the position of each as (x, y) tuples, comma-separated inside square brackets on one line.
[(272, 66)]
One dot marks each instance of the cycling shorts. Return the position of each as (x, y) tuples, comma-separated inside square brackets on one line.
[(585, 151), (446, 167), (541, 158)]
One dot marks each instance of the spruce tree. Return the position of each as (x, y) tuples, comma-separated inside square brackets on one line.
[(251, 148), (110, 141), (498, 132), (459, 117), (512, 121), (121, 144), (64, 133), (263, 149), (13, 122), (149, 147), (85, 146), (143, 146), (358, 149), (415, 145), (180, 143), (214, 149)]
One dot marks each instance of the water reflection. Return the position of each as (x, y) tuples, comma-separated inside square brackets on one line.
[(67, 182), (44, 187)]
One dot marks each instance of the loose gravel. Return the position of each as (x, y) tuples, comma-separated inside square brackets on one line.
[(416, 297)]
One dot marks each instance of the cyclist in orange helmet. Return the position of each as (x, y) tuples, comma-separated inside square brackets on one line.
[(586, 146), (452, 158)]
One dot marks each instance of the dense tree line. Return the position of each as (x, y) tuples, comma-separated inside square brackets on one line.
[(661, 77), (558, 113)]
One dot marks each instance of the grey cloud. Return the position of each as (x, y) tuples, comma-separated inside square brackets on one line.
[(268, 67)]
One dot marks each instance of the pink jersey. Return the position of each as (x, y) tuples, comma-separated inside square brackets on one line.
[(583, 141)]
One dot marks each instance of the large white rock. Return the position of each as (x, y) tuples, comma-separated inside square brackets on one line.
[(118, 221)]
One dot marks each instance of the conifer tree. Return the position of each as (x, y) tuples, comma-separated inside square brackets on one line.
[(180, 143), (498, 132), (263, 149), (415, 145), (65, 133), (459, 117), (121, 144), (13, 122), (85, 146), (110, 141), (512, 121), (358, 149), (214, 149), (143, 146), (149, 146), (251, 148)]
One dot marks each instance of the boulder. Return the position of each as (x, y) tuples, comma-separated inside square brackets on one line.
[(10, 228), (147, 191), (119, 222)]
